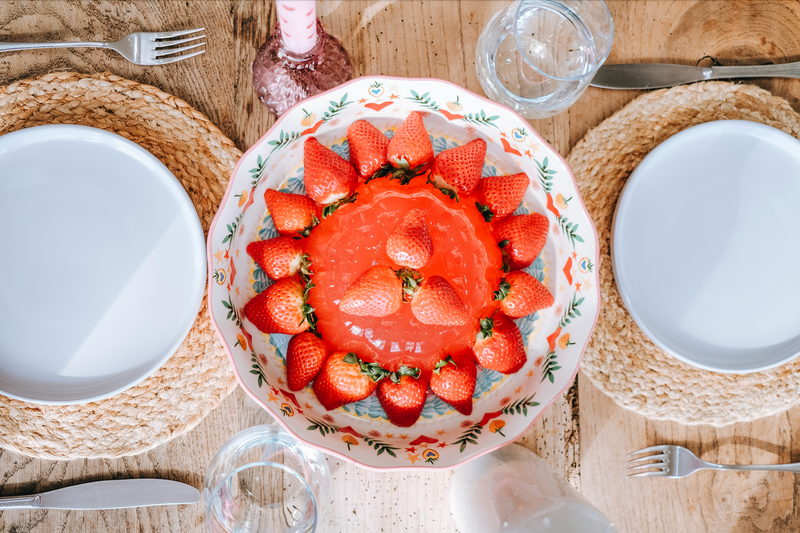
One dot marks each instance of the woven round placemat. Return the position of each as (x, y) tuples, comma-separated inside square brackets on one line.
[(194, 380), (620, 359)]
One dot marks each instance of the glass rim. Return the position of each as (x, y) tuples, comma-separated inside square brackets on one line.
[(556, 78), (247, 466)]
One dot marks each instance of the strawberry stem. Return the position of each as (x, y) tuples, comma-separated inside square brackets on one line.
[(404, 371), (404, 173), (308, 311), (307, 230), (443, 363), (331, 209), (502, 292), (487, 326), (502, 244), (373, 370), (444, 190), (484, 210), (411, 281), (305, 268)]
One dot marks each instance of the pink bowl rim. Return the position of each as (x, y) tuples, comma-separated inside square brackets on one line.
[(263, 404)]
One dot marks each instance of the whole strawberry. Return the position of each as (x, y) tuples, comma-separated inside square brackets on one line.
[(521, 238), (453, 380), (501, 195), (410, 243), (460, 167), (402, 396), (376, 292), (520, 294), (294, 215), (436, 302), (344, 378), (282, 308), (304, 357), (280, 257), (327, 176), (498, 346), (367, 148), (410, 148)]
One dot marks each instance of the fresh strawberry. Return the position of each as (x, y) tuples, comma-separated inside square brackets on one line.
[(344, 378), (293, 214), (460, 167), (410, 149), (367, 148), (453, 380), (304, 357), (402, 396), (521, 238), (280, 257), (501, 195), (282, 308), (498, 346), (520, 294), (327, 176), (436, 302), (376, 292), (410, 243)]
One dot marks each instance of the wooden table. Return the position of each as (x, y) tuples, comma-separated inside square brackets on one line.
[(586, 441)]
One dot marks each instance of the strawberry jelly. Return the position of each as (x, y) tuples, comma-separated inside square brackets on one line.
[(351, 240)]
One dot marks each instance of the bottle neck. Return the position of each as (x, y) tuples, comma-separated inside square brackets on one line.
[(297, 22)]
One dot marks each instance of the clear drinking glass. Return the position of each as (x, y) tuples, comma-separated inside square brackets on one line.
[(538, 56), (263, 480), (513, 490)]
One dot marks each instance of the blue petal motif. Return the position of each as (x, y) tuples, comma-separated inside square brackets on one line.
[(389, 134), (268, 230), (435, 406), (536, 269), (440, 144), (526, 326), (488, 170), (485, 379), (522, 210), (369, 406), (260, 280), (343, 150), (296, 183), (281, 343)]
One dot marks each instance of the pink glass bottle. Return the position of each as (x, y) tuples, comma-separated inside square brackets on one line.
[(299, 59)]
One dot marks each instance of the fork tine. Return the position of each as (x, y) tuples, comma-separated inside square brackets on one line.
[(171, 34), (640, 460), (163, 53), (648, 474), (161, 44), (659, 448), (644, 468), (178, 58)]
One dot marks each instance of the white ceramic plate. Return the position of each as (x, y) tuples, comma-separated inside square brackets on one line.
[(705, 246), (102, 264)]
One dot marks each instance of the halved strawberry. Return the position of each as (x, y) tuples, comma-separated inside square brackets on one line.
[(498, 346), (410, 149), (436, 302), (304, 357), (280, 257), (282, 308), (367, 148), (521, 237), (453, 380), (327, 176), (520, 294), (499, 196), (344, 378), (376, 292), (402, 396), (410, 243), (460, 167), (294, 215)]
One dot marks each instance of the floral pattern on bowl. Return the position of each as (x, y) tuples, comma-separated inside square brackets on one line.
[(555, 338)]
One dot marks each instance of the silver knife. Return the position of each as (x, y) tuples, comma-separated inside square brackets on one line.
[(659, 75), (114, 494)]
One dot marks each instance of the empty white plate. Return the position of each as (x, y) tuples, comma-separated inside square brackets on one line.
[(102, 264), (706, 244)]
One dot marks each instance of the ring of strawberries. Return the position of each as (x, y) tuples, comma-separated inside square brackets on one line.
[(340, 377)]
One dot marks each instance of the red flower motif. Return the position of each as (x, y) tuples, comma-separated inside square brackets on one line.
[(374, 434), (556, 229), (558, 310), (471, 129), (505, 401), (328, 418), (334, 122), (466, 423), (535, 186), (539, 361), (262, 359), (425, 113)]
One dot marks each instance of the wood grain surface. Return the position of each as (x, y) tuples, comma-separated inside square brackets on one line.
[(426, 39)]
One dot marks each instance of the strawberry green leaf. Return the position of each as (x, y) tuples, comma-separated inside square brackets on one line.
[(484, 210), (443, 363), (502, 292), (331, 209)]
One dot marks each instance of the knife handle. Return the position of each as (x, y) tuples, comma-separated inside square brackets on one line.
[(784, 70), (19, 502)]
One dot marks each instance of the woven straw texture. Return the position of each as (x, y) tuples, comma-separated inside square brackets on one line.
[(177, 397), (620, 359)]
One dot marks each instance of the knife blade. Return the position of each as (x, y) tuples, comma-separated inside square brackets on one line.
[(647, 76), (113, 494)]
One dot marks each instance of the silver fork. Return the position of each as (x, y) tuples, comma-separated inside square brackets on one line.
[(677, 461), (139, 48)]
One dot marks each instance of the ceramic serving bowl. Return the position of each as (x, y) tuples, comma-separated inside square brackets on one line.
[(555, 338)]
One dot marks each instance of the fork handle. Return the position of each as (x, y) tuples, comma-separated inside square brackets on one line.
[(14, 47), (791, 467), (785, 70), (20, 502)]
